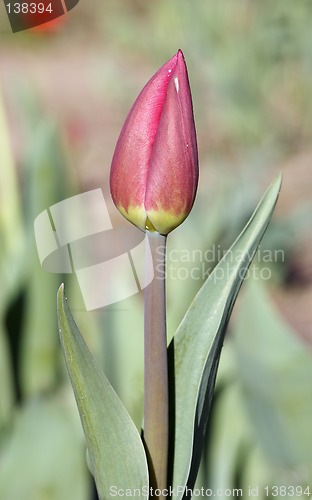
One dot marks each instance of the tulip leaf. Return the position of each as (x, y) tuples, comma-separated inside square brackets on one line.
[(43, 449), (276, 372), (195, 349), (115, 451)]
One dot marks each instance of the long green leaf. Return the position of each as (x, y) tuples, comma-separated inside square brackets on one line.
[(276, 372), (11, 251), (116, 454), (195, 350), (44, 450), (45, 184)]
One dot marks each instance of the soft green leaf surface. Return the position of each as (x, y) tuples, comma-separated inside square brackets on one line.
[(11, 238), (45, 181), (230, 438), (276, 371), (10, 209), (42, 457), (116, 454), (6, 394), (196, 347)]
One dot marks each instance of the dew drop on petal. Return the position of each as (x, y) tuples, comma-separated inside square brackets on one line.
[(176, 83)]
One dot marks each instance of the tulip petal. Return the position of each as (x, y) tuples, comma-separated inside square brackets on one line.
[(134, 146), (173, 171), (154, 171)]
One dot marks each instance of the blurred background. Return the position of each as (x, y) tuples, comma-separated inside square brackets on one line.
[(65, 91)]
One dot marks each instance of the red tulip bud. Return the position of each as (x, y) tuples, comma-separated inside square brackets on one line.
[(154, 171)]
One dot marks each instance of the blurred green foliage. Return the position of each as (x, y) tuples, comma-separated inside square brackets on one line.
[(64, 97)]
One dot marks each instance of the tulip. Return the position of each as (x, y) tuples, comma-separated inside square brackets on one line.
[(154, 172)]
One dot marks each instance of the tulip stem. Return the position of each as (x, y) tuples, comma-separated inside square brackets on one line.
[(156, 366)]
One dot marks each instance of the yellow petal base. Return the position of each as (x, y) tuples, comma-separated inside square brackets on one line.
[(136, 215), (164, 221), (154, 220)]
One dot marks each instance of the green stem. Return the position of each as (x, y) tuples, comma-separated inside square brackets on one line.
[(156, 366)]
